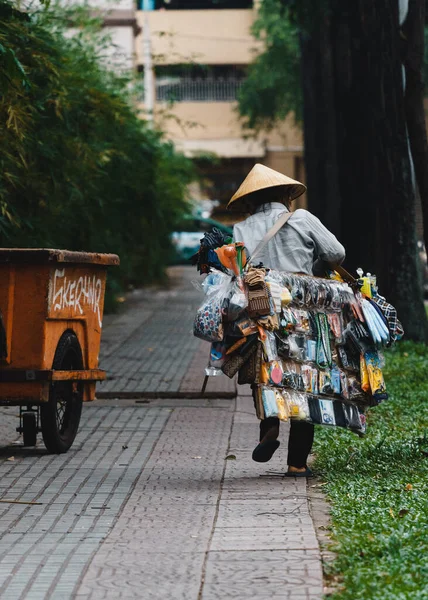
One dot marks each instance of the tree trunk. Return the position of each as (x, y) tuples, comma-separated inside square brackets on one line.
[(369, 148), (320, 126), (375, 165), (413, 57)]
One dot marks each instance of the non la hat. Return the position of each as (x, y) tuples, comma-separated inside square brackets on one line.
[(261, 177)]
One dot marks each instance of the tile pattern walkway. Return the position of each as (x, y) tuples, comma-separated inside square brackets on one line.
[(200, 526), (158, 498), (45, 547), (149, 351)]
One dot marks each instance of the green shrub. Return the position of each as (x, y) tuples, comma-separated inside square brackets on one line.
[(79, 168)]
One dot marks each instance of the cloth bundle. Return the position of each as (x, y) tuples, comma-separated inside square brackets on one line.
[(258, 295)]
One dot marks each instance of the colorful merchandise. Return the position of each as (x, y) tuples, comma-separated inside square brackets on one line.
[(318, 340)]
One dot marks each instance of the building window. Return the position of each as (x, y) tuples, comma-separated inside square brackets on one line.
[(192, 4), (198, 84)]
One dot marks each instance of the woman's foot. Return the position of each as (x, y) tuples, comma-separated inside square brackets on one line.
[(296, 469), (264, 451), (269, 432), (298, 472)]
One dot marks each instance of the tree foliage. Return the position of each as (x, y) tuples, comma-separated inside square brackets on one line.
[(79, 169), (272, 88)]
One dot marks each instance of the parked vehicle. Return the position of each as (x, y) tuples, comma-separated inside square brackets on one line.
[(186, 239)]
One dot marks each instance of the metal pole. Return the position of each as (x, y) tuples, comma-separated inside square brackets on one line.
[(148, 66)]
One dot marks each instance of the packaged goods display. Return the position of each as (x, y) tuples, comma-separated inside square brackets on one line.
[(311, 346)]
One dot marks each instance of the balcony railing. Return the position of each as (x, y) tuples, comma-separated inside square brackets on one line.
[(197, 90)]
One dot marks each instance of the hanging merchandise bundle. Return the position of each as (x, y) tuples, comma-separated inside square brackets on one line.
[(311, 346)]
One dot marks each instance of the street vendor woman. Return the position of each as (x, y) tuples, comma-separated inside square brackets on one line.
[(302, 245)]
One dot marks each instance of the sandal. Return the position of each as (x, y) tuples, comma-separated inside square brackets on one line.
[(264, 451), (306, 473)]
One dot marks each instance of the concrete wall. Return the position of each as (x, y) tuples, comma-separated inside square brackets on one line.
[(217, 37), (105, 5), (122, 51), (198, 127), (210, 37), (213, 120), (201, 120)]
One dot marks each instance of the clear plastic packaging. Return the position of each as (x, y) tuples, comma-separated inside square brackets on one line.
[(324, 357), (352, 418), (287, 321), (311, 350), (269, 402), (354, 388), (217, 354), (272, 373), (325, 385), (286, 297), (214, 281), (291, 378), (310, 379), (327, 412), (373, 363), (320, 295), (238, 302), (282, 407), (297, 347), (344, 385), (208, 324), (311, 357), (337, 298), (298, 291), (302, 321), (269, 346), (275, 290), (364, 375), (335, 380), (213, 371), (335, 322), (346, 359), (297, 404)]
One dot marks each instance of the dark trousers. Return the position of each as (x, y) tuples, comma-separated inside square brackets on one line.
[(300, 440)]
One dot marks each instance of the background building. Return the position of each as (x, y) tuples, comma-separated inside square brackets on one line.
[(193, 55), (200, 50), (120, 20)]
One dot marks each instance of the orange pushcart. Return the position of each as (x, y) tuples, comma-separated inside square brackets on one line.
[(51, 311)]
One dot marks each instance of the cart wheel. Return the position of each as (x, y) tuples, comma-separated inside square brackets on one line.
[(60, 416), (29, 428)]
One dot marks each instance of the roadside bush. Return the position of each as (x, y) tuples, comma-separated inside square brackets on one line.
[(79, 168)]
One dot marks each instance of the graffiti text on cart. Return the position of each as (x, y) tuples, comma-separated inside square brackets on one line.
[(77, 293)]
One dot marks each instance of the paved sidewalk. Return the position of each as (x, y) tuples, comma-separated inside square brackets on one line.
[(147, 505), (199, 525), (149, 351), (68, 503), (158, 498)]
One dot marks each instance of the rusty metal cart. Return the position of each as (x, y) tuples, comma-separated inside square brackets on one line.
[(51, 310)]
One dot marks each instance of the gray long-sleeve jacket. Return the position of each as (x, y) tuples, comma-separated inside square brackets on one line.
[(297, 246)]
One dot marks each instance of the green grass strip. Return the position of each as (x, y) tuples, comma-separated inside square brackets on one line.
[(378, 488)]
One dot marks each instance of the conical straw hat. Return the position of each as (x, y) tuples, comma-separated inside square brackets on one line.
[(261, 177)]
